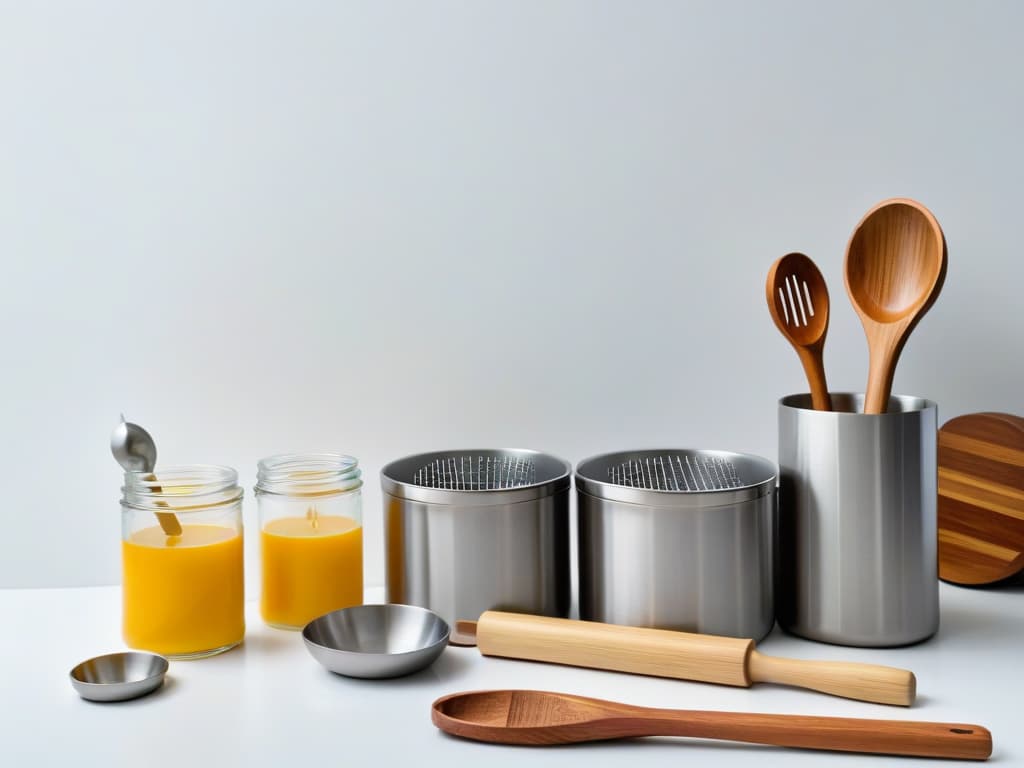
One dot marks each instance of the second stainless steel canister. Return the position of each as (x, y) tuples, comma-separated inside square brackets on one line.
[(474, 530), (678, 539)]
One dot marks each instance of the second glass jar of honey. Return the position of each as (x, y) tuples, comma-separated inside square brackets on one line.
[(311, 536)]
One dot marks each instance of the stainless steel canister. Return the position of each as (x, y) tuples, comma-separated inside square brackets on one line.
[(698, 560), (473, 530), (857, 521)]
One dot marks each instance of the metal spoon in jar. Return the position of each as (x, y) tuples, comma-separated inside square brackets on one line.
[(135, 451)]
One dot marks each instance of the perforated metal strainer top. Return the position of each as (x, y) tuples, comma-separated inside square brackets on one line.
[(476, 473), (676, 472), (476, 477), (676, 477)]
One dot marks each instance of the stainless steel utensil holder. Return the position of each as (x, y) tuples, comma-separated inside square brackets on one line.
[(857, 533)]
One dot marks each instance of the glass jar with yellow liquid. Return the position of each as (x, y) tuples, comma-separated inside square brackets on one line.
[(311, 536), (181, 553)]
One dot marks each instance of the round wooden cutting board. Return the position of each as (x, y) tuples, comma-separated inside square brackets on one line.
[(981, 498)]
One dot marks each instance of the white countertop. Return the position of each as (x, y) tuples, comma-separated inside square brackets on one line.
[(268, 703)]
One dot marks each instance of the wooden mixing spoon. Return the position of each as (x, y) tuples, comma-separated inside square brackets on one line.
[(798, 302), (895, 267), (538, 717)]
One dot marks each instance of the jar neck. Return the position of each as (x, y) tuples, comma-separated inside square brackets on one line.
[(181, 488), (308, 474)]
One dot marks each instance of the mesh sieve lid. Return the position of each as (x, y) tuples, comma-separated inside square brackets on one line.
[(676, 472), (676, 477), (478, 477), (465, 472)]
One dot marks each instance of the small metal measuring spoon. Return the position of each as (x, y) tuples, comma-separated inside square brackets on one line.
[(135, 450)]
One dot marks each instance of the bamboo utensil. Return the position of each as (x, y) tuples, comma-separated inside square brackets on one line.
[(679, 655), (894, 270), (135, 450), (538, 718), (799, 305)]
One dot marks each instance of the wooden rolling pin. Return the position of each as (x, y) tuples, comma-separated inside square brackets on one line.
[(680, 655)]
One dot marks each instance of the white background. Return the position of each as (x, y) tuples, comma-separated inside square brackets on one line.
[(383, 228)]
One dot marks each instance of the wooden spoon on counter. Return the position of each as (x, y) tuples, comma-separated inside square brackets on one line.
[(539, 717), (894, 270), (798, 303)]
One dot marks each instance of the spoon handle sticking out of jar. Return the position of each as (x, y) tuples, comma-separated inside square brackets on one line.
[(168, 520), (135, 450)]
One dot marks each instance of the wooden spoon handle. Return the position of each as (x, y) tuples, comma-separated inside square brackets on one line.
[(885, 345), (843, 734), (168, 520), (169, 523), (814, 369)]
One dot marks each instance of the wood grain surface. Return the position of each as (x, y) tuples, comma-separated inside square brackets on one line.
[(894, 270), (681, 655), (798, 303), (981, 498), (540, 717)]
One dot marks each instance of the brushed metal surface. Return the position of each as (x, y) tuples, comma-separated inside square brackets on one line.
[(462, 559), (549, 475), (466, 472), (685, 564), (596, 476), (119, 676), (857, 521), (375, 641)]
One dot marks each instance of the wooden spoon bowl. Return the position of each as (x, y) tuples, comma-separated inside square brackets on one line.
[(799, 305), (895, 267)]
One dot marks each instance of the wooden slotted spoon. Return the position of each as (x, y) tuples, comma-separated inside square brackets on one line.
[(798, 302), (538, 718), (894, 270)]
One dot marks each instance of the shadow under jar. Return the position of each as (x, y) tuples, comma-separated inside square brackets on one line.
[(184, 594), (474, 530), (311, 536), (677, 539)]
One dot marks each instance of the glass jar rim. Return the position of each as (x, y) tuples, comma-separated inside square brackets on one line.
[(308, 474), (181, 488)]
